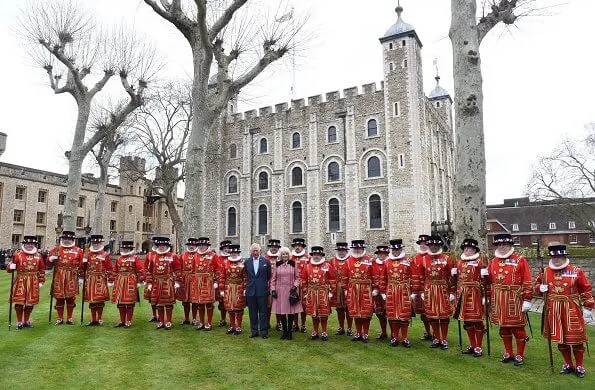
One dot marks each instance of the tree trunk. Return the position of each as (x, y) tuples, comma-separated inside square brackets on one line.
[(75, 162), (102, 190), (175, 218), (469, 178)]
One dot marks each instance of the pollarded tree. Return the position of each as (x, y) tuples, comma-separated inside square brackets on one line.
[(69, 46), (467, 30), (228, 36)]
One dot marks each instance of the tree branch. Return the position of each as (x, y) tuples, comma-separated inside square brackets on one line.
[(225, 18), (172, 12), (503, 11)]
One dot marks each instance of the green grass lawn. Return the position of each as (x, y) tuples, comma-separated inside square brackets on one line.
[(141, 357)]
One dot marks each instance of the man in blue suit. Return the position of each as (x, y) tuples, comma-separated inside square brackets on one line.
[(258, 271)]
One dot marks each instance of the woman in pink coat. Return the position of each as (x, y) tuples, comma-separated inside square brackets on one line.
[(285, 278)]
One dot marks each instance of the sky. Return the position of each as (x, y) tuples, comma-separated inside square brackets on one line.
[(538, 75)]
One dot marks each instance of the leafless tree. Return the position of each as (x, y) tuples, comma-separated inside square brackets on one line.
[(469, 26), (230, 36), (161, 129), (69, 46), (567, 177)]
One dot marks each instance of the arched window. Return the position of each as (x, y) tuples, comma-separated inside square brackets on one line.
[(334, 225), (137, 225), (372, 128), (375, 212), (262, 219), (296, 140), (331, 135), (263, 181), (373, 167), (231, 221), (296, 177), (296, 217), (166, 213), (405, 63), (129, 208), (333, 172), (232, 185), (233, 151), (264, 146), (390, 67)]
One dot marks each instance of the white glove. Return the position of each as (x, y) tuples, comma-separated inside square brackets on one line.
[(526, 306), (383, 296), (374, 292), (52, 258), (413, 296), (244, 292), (215, 285), (149, 287), (13, 266), (40, 285), (81, 280), (484, 272), (110, 284), (221, 293), (451, 297), (138, 285), (587, 313), (483, 301), (330, 294), (543, 288), (454, 271), (177, 285), (345, 292), (422, 296), (85, 259)]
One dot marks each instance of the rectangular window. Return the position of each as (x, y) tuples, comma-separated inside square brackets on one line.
[(516, 240), (112, 225), (114, 207), (16, 240), (40, 219), (533, 226), (61, 198), (571, 225), (81, 201), (572, 239), (80, 221), (534, 240), (39, 241), (41, 196), (396, 109), (552, 225), (401, 161), (18, 216), (515, 227), (592, 239), (19, 193)]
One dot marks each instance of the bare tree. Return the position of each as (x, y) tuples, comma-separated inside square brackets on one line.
[(566, 177), (161, 129), (467, 30), (219, 37), (68, 45)]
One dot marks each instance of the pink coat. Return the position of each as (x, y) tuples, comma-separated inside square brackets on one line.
[(284, 277)]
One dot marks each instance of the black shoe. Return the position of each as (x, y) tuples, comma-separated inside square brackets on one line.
[(237, 332), (19, 325), (427, 337), (279, 327), (435, 344), (160, 326), (340, 331), (506, 358), (284, 336), (394, 342), (406, 343), (567, 369), (265, 336), (230, 331), (253, 335), (303, 329), (381, 337), (324, 337), (314, 336), (92, 323), (119, 325), (468, 351), (200, 327), (153, 319), (349, 332), (478, 352), (222, 324), (580, 371), (365, 339), (69, 322), (185, 322), (444, 345), (519, 361), (289, 335), (27, 324), (357, 337)]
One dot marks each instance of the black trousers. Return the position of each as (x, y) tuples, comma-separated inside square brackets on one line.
[(259, 316)]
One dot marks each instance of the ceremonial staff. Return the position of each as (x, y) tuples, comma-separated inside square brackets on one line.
[(10, 300), (85, 265), (545, 325), (486, 304), (54, 264), (457, 313)]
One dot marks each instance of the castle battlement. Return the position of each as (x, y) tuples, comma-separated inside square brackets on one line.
[(311, 102)]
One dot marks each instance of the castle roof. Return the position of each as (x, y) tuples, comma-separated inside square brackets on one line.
[(438, 92), (400, 29)]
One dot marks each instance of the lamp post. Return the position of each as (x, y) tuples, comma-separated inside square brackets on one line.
[(444, 230)]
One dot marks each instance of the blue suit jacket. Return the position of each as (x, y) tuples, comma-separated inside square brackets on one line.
[(257, 285)]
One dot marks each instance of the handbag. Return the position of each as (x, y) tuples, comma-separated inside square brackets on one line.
[(294, 296)]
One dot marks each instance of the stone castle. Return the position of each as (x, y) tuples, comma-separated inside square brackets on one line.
[(370, 163)]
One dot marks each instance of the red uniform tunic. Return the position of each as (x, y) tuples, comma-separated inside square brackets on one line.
[(416, 261), (300, 262), (568, 291), (378, 273), (148, 259), (99, 266), (318, 280), (338, 300), (358, 280), (399, 287), (188, 290), (232, 281), (161, 275), (30, 272), (510, 285), (127, 273), (65, 284), (435, 272), (220, 264), (470, 290), (206, 274)]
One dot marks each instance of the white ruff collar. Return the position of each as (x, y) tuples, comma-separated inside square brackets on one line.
[(162, 253), (435, 253), (564, 265), (272, 254), (378, 261), (419, 251), (472, 257), (191, 251), (359, 256), (126, 253), (503, 255), (401, 255), (223, 253), (317, 262), (342, 258), (95, 250), (31, 252), (294, 253), (202, 253), (66, 246), (234, 259)]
